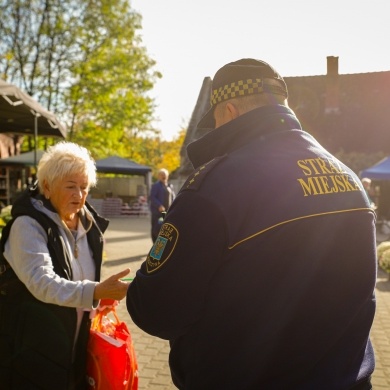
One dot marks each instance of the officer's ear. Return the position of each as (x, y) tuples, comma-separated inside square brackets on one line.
[(232, 110), (225, 112)]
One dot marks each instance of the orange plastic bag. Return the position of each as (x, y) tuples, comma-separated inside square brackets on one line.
[(111, 360)]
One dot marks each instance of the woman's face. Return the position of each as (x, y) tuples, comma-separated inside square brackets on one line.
[(68, 195)]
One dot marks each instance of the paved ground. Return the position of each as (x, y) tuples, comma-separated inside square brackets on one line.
[(127, 243)]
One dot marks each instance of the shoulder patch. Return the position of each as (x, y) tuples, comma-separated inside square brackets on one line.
[(162, 248), (194, 181)]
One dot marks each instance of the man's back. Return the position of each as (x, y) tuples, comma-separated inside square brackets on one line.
[(263, 273), (292, 297)]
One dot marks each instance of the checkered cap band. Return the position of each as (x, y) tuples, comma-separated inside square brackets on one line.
[(242, 88)]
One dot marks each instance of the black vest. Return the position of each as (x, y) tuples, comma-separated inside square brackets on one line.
[(36, 338)]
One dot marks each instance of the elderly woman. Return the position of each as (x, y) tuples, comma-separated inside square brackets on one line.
[(51, 256)]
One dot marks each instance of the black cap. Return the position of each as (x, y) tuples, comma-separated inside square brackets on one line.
[(241, 78)]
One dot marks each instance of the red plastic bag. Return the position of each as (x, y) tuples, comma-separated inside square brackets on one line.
[(111, 360)]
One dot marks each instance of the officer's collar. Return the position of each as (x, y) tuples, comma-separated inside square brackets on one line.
[(237, 133)]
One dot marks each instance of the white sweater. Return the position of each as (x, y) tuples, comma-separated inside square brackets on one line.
[(27, 252)]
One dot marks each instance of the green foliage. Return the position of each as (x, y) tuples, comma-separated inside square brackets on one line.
[(5, 216), (383, 255), (381, 248), (83, 60), (39, 45), (171, 157), (162, 154), (150, 151), (111, 83)]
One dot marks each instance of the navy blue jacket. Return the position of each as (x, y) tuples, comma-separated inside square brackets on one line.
[(264, 270), (157, 197)]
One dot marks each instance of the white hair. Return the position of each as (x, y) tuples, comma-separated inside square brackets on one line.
[(63, 159)]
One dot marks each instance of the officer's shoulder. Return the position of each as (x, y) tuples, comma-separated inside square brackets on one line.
[(195, 180)]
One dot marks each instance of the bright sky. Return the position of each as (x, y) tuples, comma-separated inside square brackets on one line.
[(191, 40)]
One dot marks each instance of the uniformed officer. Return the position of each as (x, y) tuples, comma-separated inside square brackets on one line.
[(263, 273)]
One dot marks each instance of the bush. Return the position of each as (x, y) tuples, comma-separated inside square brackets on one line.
[(384, 261), (5, 216), (383, 255), (382, 247)]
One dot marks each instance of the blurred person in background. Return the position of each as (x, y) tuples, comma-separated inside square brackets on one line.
[(370, 191), (161, 197)]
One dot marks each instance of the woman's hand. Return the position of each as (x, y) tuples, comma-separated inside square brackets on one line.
[(106, 305), (112, 287)]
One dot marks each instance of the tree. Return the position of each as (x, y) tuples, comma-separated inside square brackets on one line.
[(38, 45), (115, 76), (83, 60), (171, 157), (156, 153)]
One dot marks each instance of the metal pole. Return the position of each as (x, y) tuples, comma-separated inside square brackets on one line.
[(35, 139)]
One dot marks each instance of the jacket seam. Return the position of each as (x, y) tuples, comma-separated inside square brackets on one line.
[(294, 220)]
